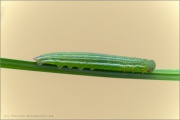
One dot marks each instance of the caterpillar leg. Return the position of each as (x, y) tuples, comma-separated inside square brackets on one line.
[(59, 67), (91, 68), (142, 71), (39, 63), (80, 68), (70, 67)]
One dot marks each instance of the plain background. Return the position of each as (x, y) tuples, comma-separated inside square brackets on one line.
[(144, 29)]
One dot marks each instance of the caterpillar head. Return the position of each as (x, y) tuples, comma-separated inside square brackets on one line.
[(151, 65)]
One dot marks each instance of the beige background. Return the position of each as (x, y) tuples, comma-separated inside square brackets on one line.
[(142, 29)]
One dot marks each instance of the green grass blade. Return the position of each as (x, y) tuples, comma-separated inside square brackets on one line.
[(161, 74)]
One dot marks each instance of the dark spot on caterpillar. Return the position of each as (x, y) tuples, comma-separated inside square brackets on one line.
[(74, 67)]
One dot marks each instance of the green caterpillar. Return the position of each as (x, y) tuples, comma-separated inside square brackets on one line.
[(99, 61)]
